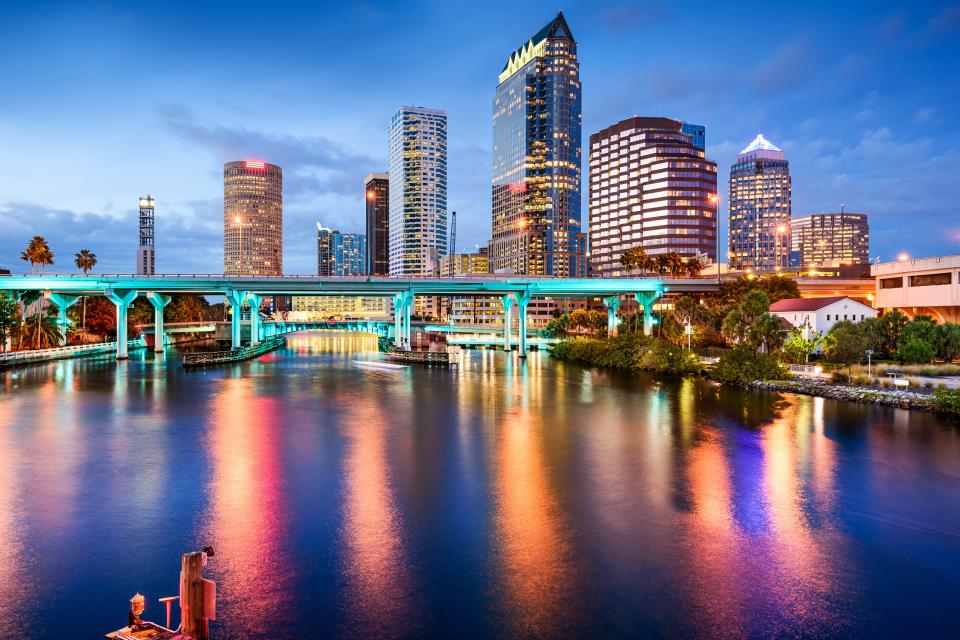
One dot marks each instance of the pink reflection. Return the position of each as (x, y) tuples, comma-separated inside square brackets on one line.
[(15, 582), (379, 584), (247, 524), (531, 542)]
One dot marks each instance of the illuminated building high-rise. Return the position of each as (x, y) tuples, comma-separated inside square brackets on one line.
[(650, 187), (418, 191), (830, 240), (340, 254), (252, 218), (760, 208), (536, 158), (377, 196), (146, 251)]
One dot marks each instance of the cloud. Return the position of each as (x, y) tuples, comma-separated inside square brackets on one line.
[(925, 115), (787, 68), (312, 166)]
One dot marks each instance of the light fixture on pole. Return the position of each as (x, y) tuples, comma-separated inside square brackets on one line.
[(714, 198)]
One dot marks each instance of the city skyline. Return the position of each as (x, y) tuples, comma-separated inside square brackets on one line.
[(880, 143)]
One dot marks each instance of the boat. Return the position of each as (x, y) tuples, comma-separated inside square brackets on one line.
[(377, 364)]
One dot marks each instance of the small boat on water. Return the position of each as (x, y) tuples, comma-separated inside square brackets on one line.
[(377, 364)]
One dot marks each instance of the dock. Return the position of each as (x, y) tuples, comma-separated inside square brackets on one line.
[(214, 358), (429, 358)]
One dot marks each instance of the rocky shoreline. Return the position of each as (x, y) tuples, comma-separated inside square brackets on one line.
[(899, 399)]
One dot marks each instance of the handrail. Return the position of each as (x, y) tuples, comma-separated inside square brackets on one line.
[(33, 354), (201, 358)]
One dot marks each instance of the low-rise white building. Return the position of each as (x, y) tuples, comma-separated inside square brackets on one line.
[(820, 314), (928, 286)]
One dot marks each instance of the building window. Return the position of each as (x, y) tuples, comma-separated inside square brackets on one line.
[(828, 317), (931, 279), (891, 283)]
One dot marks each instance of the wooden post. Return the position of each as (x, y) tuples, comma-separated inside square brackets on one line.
[(191, 596)]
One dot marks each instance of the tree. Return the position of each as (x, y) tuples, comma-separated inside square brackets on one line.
[(42, 331), (85, 261), (892, 325), (37, 253), (798, 349), (766, 333), (694, 267), (636, 259), (9, 319), (947, 344), (914, 350), (738, 324), (845, 344)]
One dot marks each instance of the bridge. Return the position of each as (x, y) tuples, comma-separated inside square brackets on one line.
[(64, 290)]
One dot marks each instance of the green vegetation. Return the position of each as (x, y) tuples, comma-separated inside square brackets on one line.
[(672, 263), (743, 364), (578, 321), (631, 352), (947, 401), (797, 349), (10, 320), (85, 261), (37, 253)]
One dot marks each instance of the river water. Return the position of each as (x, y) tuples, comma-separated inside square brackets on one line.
[(499, 498)]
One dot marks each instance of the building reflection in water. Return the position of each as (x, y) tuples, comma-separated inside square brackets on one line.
[(379, 592), (249, 514), (16, 586)]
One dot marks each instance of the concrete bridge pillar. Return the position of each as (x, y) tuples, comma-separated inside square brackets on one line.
[(235, 299), (254, 300), (402, 304), (612, 303), (523, 299), (647, 299), (63, 302), (159, 301), (122, 298), (507, 320)]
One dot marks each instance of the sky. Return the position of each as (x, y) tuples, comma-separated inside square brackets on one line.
[(101, 102)]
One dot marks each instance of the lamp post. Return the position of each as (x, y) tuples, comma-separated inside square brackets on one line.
[(715, 199), (779, 231), (688, 329)]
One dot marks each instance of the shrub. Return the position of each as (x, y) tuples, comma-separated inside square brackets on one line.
[(743, 365), (839, 377), (947, 401), (667, 358), (861, 381), (915, 351)]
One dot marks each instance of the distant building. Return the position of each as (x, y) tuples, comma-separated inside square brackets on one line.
[(927, 286), (146, 251), (472, 310), (340, 254), (458, 264), (830, 240), (377, 196), (4, 272), (759, 204), (339, 308), (252, 218), (650, 187), (820, 314), (697, 133), (537, 158), (418, 191)]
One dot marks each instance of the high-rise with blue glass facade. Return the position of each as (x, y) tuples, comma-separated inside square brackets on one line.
[(697, 133), (537, 158), (340, 254)]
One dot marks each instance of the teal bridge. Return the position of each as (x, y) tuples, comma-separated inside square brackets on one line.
[(64, 290)]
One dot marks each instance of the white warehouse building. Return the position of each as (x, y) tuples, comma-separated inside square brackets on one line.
[(820, 314)]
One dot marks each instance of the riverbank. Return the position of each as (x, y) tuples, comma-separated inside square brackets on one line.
[(898, 399)]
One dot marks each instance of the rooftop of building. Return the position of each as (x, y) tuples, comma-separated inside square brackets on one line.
[(638, 123), (761, 144), (556, 28), (907, 264), (806, 304)]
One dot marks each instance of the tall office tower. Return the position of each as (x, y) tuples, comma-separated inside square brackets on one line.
[(146, 252), (830, 240), (698, 132), (650, 187), (252, 218), (340, 254), (418, 191), (377, 189), (760, 208), (536, 159)]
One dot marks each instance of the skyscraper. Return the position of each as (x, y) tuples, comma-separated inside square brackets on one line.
[(252, 218), (377, 196), (698, 134), (650, 186), (760, 208), (146, 251), (340, 254), (830, 240), (418, 191), (536, 158)]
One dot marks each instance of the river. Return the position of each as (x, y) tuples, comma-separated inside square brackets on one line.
[(496, 499)]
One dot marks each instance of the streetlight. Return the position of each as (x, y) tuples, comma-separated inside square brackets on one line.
[(781, 229), (688, 329), (903, 257), (714, 198), (239, 221)]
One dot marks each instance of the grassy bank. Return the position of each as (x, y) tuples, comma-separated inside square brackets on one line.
[(630, 352)]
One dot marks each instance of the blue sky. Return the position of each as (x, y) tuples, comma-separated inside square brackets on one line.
[(102, 102)]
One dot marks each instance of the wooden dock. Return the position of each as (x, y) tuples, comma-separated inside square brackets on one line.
[(214, 358), (429, 358)]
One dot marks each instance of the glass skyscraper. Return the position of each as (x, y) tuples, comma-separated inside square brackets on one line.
[(760, 208), (340, 254), (830, 240), (537, 157), (252, 218), (377, 197), (418, 191)]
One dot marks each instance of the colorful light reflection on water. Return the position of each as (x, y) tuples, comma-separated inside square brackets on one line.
[(501, 498)]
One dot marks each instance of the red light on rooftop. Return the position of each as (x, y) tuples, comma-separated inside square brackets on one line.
[(254, 164)]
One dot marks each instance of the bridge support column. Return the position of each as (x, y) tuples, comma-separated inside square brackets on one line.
[(507, 320), (159, 301), (647, 299), (402, 302), (407, 306), (122, 298), (612, 303), (397, 319), (235, 299), (63, 302), (523, 299), (254, 300)]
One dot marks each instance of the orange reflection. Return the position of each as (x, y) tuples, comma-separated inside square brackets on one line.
[(531, 538), (378, 576), (15, 583), (247, 523)]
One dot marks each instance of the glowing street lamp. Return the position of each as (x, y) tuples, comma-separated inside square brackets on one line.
[(714, 199), (903, 257)]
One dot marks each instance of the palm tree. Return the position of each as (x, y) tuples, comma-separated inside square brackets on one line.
[(694, 267), (85, 261), (675, 264), (766, 332), (45, 332), (660, 264)]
